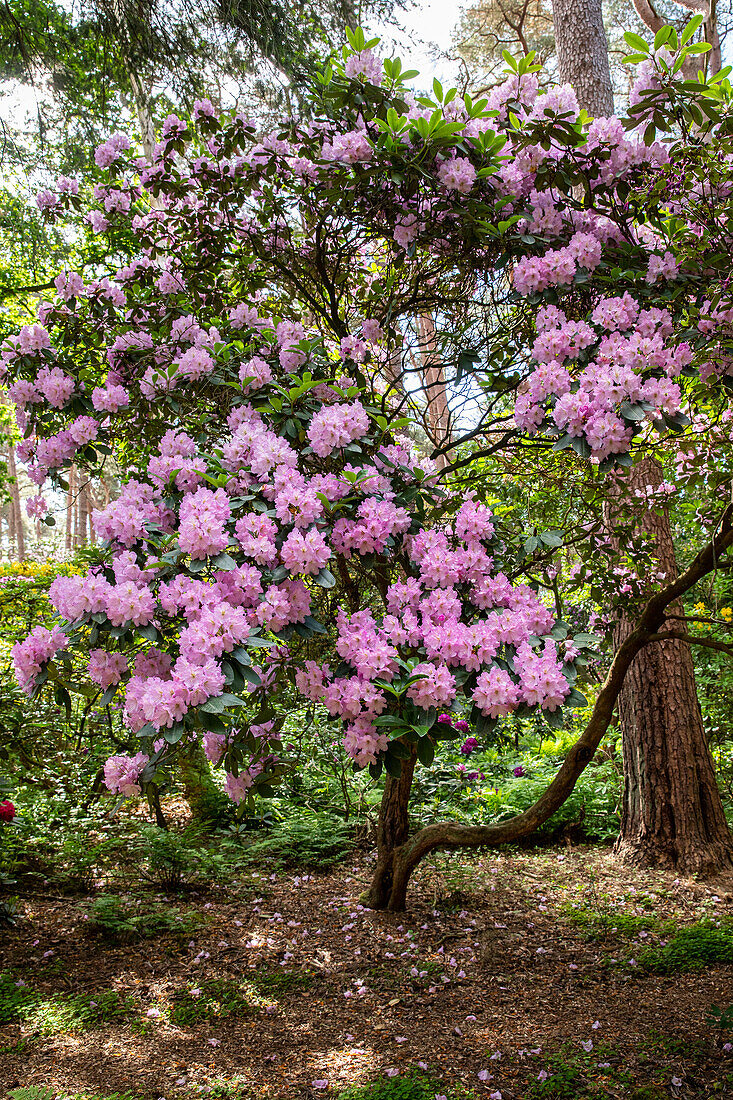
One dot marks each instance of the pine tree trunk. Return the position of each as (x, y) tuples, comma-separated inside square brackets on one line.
[(15, 506), (392, 831), (672, 813), (84, 501), (582, 53), (68, 541)]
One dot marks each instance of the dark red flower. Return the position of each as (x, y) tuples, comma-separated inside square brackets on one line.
[(7, 811)]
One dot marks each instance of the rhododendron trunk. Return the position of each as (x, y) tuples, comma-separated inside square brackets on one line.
[(392, 832), (672, 812)]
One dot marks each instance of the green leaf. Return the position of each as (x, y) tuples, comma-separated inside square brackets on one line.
[(392, 765), (375, 770), (662, 36), (219, 703), (632, 412), (576, 699), (690, 29), (425, 751), (174, 734), (224, 562), (636, 42), (325, 578)]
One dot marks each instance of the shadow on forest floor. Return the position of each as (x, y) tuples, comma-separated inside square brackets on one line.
[(553, 974)]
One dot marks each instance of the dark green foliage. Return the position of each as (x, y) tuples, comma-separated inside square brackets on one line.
[(215, 1000), (32, 1092), (121, 920), (304, 838), (278, 983), (168, 858), (14, 999), (414, 1086), (214, 808), (698, 945), (566, 1082), (596, 924), (573, 1075), (722, 1018)]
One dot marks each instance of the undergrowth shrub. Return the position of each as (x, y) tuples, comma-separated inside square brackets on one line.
[(123, 920), (305, 837)]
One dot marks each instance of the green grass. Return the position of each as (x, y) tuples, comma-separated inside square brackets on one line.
[(415, 1085), (61, 1012), (596, 924), (692, 948)]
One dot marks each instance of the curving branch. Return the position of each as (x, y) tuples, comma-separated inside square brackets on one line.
[(706, 643), (451, 836)]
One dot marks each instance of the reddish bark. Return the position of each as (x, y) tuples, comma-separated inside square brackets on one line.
[(672, 811)]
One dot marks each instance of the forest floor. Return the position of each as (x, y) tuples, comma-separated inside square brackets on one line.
[(526, 968)]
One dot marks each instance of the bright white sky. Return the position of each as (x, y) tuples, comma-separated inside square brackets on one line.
[(428, 34)]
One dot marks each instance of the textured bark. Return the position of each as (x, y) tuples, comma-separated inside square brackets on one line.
[(672, 812), (437, 412), (15, 506), (69, 537), (392, 832), (396, 861), (82, 534), (582, 53)]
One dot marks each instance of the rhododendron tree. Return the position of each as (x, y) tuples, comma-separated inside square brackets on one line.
[(278, 529)]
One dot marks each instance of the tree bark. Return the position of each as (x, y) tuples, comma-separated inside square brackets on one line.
[(582, 53), (15, 505), (68, 540), (392, 832), (672, 813), (437, 412)]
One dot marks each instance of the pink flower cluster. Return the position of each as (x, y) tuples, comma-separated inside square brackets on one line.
[(632, 365), (32, 654), (425, 614), (122, 774)]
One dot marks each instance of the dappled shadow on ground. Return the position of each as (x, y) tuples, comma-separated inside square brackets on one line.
[(501, 963)]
